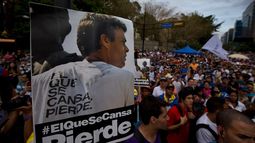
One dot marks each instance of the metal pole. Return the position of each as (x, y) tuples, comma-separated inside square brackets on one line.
[(167, 38), (143, 37)]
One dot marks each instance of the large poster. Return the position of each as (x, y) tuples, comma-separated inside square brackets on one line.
[(82, 85)]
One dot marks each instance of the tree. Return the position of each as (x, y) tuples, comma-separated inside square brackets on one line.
[(110, 7), (91, 5), (196, 31), (160, 11), (151, 19), (123, 8)]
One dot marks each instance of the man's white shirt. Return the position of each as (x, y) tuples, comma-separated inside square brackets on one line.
[(157, 91), (204, 135)]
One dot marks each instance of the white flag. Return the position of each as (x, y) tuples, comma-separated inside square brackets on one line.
[(214, 45)]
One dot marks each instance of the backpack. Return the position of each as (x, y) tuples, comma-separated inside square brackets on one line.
[(205, 126)]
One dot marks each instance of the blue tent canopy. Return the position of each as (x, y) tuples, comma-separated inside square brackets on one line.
[(187, 50)]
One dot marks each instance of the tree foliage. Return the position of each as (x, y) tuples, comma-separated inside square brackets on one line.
[(147, 19), (123, 8), (196, 30), (151, 19), (159, 11)]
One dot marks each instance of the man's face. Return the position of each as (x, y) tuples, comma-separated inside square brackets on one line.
[(169, 91), (233, 97), (188, 101), (118, 50), (250, 87), (163, 84), (191, 83), (145, 92), (240, 132), (162, 119)]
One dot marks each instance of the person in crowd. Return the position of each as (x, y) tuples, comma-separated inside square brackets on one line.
[(251, 91), (250, 111), (145, 91), (23, 79), (160, 89), (13, 73), (235, 127), (3, 70), (138, 73), (198, 101), (242, 92), (19, 55), (207, 91), (169, 97), (15, 114), (194, 65), (151, 73), (234, 102), (224, 86), (178, 123), (209, 79), (189, 75), (153, 114), (9, 57), (192, 83), (199, 76), (178, 83), (206, 128), (24, 66), (216, 92), (197, 111)]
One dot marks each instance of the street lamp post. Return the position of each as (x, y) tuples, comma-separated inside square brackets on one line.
[(167, 26), (143, 36)]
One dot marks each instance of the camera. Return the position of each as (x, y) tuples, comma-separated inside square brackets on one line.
[(18, 102)]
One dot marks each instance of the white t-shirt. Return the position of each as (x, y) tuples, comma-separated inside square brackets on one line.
[(240, 107), (98, 86), (82, 96), (204, 135), (151, 76), (177, 86), (157, 91)]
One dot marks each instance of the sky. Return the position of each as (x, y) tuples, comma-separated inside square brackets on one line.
[(227, 11)]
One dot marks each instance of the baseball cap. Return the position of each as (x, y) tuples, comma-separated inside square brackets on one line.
[(163, 79)]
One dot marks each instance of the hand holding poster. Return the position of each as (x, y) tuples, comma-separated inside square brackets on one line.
[(80, 98)]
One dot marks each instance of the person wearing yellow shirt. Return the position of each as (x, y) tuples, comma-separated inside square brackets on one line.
[(194, 65)]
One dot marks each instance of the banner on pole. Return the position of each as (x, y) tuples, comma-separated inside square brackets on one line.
[(214, 45)]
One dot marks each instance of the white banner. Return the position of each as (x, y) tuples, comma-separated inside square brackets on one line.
[(214, 45), (143, 62)]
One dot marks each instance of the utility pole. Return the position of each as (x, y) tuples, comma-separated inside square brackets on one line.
[(143, 36), (167, 38)]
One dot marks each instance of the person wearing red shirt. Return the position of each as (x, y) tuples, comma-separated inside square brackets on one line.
[(178, 123)]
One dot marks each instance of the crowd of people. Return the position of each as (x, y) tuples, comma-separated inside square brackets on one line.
[(15, 93), (188, 100), (196, 89), (193, 90)]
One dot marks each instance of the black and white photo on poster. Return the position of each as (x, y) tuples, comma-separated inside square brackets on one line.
[(82, 65)]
